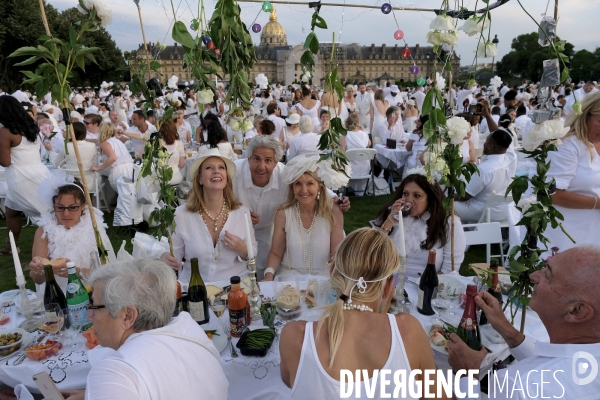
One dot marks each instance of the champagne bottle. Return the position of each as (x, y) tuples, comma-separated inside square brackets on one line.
[(427, 286), (468, 330), (77, 300), (494, 290), (53, 292), (197, 297)]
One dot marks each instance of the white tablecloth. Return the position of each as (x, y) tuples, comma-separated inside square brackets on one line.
[(391, 158), (249, 377)]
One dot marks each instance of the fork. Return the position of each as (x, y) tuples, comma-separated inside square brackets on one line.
[(228, 332)]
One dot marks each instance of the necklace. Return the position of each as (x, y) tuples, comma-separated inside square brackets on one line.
[(311, 230), (215, 219), (359, 307)]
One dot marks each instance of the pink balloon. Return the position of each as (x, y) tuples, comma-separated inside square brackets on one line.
[(398, 35)]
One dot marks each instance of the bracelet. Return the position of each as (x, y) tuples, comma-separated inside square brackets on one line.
[(595, 203), (269, 270), (385, 229)]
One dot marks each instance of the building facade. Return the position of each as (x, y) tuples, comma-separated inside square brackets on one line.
[(280, 62)]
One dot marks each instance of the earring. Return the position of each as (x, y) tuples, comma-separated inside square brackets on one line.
[(318, 195)]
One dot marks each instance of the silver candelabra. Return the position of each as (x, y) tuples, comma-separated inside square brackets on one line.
[(254, 298)]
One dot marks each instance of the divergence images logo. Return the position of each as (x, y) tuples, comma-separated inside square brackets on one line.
[(584, 368)]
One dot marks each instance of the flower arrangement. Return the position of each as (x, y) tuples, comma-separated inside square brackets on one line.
[(486, 49), (475, 25), (550, 130), (457, 129), (172, 82)]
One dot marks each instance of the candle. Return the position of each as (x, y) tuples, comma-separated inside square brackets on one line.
[(15, 254), (401, 244), (248, 238)]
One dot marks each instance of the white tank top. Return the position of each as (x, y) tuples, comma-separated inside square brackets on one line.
[(313, 382), (121, 152)]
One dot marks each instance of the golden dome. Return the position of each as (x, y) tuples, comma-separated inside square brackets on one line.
[(273, 33)]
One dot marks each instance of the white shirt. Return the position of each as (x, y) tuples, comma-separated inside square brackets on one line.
[(137, 145), (263, 201), (494, 176), (152, 366), (92, 136), (305, 143), (419, 98), (21, 96), (557, 362), (503, 91), (192, 239), (396, 133), (461, 97), (92, 110), (484, 128), (283, 106), (279, 125), (394, 100)]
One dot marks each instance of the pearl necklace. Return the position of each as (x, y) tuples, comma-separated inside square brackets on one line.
[(359, 307), (214, 219), (311, 230)]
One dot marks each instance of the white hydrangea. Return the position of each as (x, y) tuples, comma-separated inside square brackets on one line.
[(235, 125), (262, 81), (331, 178), (473, 26), (496, 81), (440, 81), (205, 96), (553, 129), (443, 23), (486, 49), (172, 82), (458, 129), (525, 204), (103, 13)]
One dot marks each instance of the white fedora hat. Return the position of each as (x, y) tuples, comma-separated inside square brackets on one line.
[(212, 153), (293, 119)]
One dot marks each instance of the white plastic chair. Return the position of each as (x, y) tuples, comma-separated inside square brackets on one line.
[(486, 216), (97, 191), (487, 233), (362, 155)]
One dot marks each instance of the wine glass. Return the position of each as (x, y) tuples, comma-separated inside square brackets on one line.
[(218, 306), (404, 210), (439, 304), (71, 335), (53, 318)]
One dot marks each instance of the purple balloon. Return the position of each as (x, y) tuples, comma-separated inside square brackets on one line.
[(206, 40), (256, 28), (414, 70)]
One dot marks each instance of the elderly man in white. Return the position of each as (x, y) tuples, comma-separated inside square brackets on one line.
[(259, 186), (392, 128), (567, 301)]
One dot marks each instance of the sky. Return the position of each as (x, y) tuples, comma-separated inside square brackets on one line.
[(577, 22)]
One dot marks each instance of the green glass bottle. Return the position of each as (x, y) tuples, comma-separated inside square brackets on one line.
[(77, 300), (468, 330), (197, 296)]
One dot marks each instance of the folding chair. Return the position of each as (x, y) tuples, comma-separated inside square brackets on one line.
[(362, 155), (487, 233)]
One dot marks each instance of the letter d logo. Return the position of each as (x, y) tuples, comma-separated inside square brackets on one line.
[(584, 364)]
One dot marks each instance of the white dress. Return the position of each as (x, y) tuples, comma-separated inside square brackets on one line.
[(574, 170), (23, 176), (376, 123), (175, 150), (299, 243), (358, 140), (88, 154), (313, 113), (409, 124), (122, 166), (121, 111)]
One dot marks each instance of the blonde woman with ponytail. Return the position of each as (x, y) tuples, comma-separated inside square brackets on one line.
[(355, 333)]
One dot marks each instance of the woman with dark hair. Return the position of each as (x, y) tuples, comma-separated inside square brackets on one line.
[(417, 143), (202, 131), (267, 127), (20, 154), (217, 138), (427, 227), (309, 106), (170, 141)]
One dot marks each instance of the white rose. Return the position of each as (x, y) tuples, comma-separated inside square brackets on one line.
[(246, 126), (486, 49), (103, 13), (525, 204), (449, 37), (205, 96), (442, 23), (458, 129), (473, 26), (434, 38), (235, 125), (553, 130)]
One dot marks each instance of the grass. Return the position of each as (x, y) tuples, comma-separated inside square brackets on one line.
[(362, 210)]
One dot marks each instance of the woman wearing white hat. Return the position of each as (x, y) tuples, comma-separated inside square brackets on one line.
[(211, 225), (291, 131), (409, 116)]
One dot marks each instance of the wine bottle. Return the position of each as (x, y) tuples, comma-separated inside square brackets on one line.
[(77, 300), (427, 286), (239, 313), (468, 330), (197, 298), (494, 289), (53, 292)]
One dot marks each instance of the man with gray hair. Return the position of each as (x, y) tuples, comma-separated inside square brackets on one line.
[(259, 186), (156, 356), (567, 300)]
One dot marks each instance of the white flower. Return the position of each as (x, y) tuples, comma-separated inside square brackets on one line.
[(331, 178), (235, 125), (205, 96), (172, 82), (525, 204), (434, 38), (449, 37), (163, 154), (177, 103), (262, 81), (161, 163), (473, 26), (552, 129), (443, 23), (486, 49), (458, 129), (246, 126), (103, 13), (440, 81), (496, 81)]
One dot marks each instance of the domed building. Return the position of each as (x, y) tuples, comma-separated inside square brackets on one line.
[(273, 33)]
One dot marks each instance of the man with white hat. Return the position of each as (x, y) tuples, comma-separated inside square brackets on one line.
[(394, 98)]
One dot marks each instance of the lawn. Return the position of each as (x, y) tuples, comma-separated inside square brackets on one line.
[(363, 209)]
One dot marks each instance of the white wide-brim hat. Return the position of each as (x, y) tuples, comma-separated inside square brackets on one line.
[(293, 119), (208, 153)]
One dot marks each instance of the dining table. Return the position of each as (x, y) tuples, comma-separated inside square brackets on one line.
[(393, 159), (249, 377)]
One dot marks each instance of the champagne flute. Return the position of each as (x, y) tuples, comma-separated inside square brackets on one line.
[(53, 318), (404, 210), (440, 305), (218, 306)]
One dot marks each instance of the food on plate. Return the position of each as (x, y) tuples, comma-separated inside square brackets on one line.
[(288, 298), (54, 263), (437, 338), (90, 336), (212, 292), (10, 342), (4, 319), (311, 298), (44, 350)]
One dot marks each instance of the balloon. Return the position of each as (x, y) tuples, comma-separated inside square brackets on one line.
[(194, 25), (211, 46), (267, 6), (386, 8), (421, 81), (414, 70), (398, 35), (405, 53), (218, 52), (256, 28), (206, 40)]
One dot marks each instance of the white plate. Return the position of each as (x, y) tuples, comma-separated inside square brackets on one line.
[(220, 340), (10, 295), (36, 302), (452, 284)]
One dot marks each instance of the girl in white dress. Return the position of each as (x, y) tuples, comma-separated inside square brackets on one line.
[(104, 113), (356, 138), (117, 159), (175, 148), (120, 106), (381, 106), (309, 106), (24, 171), (417, 143), (308, 227), (409, 116)]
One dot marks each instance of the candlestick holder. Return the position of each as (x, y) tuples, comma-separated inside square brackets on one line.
[(30, 324), (405, 303), (254, 297)]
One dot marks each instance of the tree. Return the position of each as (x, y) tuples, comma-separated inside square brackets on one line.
[(22, 26), (581, 65)]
